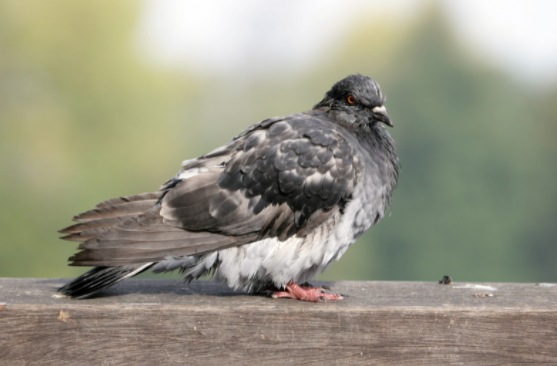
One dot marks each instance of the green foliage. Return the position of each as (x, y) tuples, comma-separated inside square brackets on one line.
[(83, 119), (475, 175)]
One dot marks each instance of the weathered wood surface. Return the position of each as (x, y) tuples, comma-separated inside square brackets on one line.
[(151, 322)]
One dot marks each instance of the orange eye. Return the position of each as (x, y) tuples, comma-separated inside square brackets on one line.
[(351, 99)]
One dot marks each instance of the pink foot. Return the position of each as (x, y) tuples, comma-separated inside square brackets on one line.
[(305, 293)]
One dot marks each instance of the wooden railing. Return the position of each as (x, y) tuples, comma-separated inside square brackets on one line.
[(166, 322)]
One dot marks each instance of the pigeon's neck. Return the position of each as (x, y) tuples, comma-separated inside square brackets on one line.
[(374, 139), (381, 148), (377, 137)]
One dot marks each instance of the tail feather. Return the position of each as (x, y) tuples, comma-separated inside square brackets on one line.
[(100, 278), (105, 212), (94, 225), (123, 200)]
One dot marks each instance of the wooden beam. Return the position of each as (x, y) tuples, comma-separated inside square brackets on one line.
[(149, 322)]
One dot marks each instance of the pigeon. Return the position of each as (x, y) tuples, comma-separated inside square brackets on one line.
[(268, 211)]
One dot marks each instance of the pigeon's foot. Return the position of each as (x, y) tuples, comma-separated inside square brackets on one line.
[(306, 292)]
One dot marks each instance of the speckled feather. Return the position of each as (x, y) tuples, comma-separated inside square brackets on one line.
[(279, 203)]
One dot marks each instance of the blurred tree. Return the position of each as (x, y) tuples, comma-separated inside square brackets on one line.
[(81, 119), (475, 177), (539, 240)]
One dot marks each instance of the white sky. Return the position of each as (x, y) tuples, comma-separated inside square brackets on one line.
[(220, 37)]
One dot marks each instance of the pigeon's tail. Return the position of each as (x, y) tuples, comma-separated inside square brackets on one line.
[(100, 278)]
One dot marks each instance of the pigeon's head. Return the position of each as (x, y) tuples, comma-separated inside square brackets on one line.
[(356, 99)]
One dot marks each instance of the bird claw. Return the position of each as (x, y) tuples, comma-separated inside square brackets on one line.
[(306, 293)]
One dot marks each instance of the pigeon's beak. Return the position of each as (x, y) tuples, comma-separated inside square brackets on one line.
[(380, 114)]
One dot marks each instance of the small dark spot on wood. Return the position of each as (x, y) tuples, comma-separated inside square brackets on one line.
[(447, 280)]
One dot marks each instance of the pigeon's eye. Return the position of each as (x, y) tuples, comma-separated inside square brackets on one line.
[(350, 99)]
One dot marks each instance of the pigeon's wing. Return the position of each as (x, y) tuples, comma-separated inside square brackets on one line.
[(282, 179), (279, 178)]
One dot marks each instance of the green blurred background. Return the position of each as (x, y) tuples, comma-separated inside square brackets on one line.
[(86, 116)]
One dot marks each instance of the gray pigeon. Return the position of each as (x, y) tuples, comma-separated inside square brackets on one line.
[(268, 211)]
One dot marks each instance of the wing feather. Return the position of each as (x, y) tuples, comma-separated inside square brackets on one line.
[(301, 162), (280, 178)]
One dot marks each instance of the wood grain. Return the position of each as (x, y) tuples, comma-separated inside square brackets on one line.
[(151, 322)]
